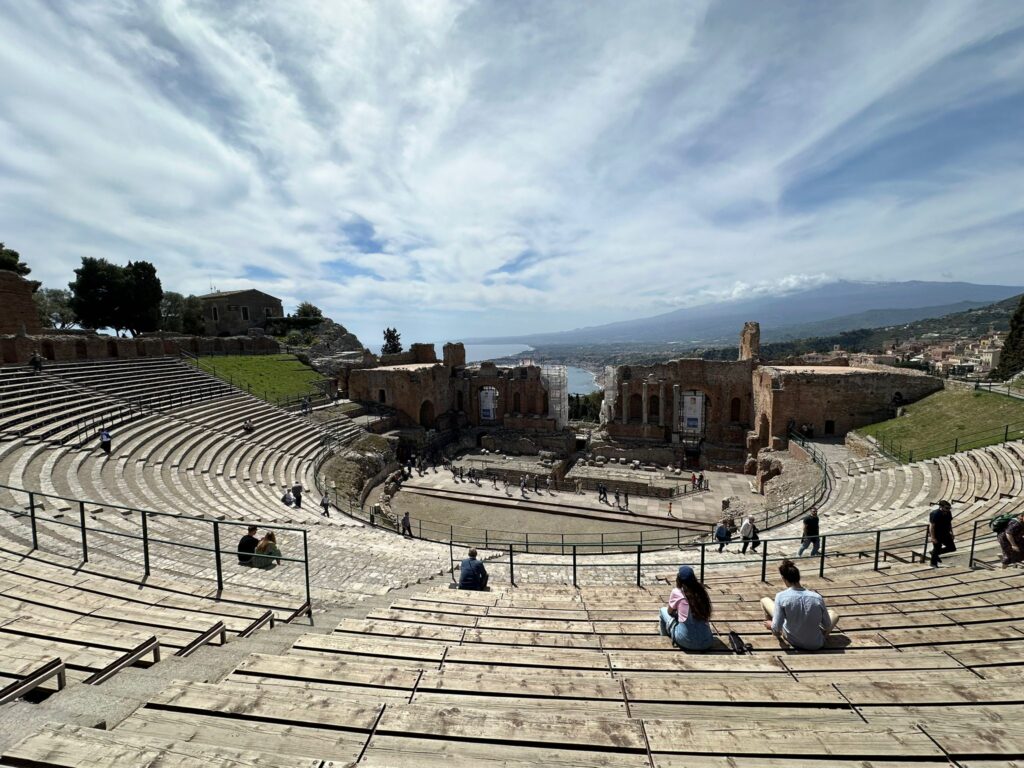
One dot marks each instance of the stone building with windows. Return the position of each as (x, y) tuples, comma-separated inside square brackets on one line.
[(233, 313)]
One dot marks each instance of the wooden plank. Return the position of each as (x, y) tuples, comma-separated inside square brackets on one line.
[(393, 629), (71, 746), (554, 658), (710, 761), (984, 740), (424, 617), (868, 661), (386, 751), (531, 639), (639, 661), (908, 694), (546, 728), (698, 690), (773, 717), (975, 633), (371, 647), (852, 741), (338, 671), (576, 708), (198, 729), (259, 703), (551, 685), (351, 693)]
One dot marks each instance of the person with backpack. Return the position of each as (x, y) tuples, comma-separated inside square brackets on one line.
[(748, 532), (288, 499), (1010, 533), (105, 441), (810, 536), (722, 534), (686, 617)]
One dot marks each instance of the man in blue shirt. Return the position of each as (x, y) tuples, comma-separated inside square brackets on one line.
[(472, 574), (798, 615)]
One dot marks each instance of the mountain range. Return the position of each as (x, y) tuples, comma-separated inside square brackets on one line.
[(825, 309)]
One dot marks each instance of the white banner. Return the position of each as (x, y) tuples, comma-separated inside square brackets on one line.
[(693, 412)]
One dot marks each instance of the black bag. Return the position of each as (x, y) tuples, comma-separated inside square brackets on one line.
[(738, 645)]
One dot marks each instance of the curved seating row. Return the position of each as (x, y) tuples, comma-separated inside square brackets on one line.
[(923, 672)]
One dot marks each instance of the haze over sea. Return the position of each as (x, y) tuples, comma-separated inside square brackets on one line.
[(580, 381)]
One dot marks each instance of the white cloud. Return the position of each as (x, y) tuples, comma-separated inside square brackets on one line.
[(522, 165)]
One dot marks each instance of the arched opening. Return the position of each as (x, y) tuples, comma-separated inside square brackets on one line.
[(81, 349), (458, 401), (764, 430), (636, 407), (517, 403), (427, 414), (734, 409), (653, 408), (111, 348), (488, 403), (382, 396), (47, 349)]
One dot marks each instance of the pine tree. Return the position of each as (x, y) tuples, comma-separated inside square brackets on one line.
[(1011, 360)]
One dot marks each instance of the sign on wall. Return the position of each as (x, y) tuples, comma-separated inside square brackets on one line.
[(488, 403), (692, 417)]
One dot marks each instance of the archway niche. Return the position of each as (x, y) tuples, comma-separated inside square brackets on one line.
[(517, 403), (653, 408), (734, 409), (636, 407), (427, 414)]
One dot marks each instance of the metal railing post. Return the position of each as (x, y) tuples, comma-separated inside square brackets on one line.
[(974, 538), (924, 551), (32, 519), (305, 564), (764, 562), (145, 541), (821, 562), (85, 542), (639, 552), (511, 564), (703, 546), (216, 552), (451, 556), (878, 546), (574, 565)]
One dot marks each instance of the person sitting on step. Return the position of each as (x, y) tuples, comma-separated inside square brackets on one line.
[(687, 616), (798, 615), (472, 574), (267, 554)]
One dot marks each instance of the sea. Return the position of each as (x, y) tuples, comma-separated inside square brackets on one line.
[(580, 381)]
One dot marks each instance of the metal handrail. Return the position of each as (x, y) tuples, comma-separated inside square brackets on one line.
[(960, 443), (215, 528)]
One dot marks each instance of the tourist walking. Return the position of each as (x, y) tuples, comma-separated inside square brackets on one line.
[(625, 500), (701, 482), (940, 531), (105, 441), (810, 534), (548, 484), (472, 574), (536, 483), (686, 617), (1011, 540), (617, 505), (288, 499), (325, 506), (522, 487), (798, 615), (579, 486), (297, 494), (36, 362), (722, 535), (406, 525), (747, 533)]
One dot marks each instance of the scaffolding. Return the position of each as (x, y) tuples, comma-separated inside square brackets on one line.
[(555, 381)]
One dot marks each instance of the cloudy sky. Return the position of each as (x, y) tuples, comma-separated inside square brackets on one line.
[(477, 168)]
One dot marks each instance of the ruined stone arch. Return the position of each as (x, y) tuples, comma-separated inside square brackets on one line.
[(427, 414), (735, 408), (653, 408)]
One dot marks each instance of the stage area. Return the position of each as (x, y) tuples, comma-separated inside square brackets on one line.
[(437, 499)]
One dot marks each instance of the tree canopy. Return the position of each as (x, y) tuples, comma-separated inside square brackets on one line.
[(105, 295), (305, 309), (1011, 359), (392, 342), (181, 314), (11, 260), (55, 310)]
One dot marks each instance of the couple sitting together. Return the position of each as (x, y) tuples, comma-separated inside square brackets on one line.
[(797, 615)]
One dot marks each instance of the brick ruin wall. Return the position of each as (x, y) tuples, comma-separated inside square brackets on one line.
[(848, 400), (17, 308), (17, 349)]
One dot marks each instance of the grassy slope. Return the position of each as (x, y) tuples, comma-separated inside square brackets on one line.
[(932, 425), (269, 376)]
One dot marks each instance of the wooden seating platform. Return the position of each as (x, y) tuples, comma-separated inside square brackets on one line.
[(923, 670)]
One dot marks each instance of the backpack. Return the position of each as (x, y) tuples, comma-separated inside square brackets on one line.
[(722, 533), (999, 523)]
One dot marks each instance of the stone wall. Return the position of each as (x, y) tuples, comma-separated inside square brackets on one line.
[(750, 341), (17, 309), (829, 401), (416, 353), (18, 349)]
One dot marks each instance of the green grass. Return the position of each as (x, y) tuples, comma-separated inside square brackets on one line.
[(949, 419), (268, 376)]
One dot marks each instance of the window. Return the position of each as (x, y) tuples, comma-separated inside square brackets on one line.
[(382, 396), (830, 427), (267, 311), (245, 313), (216, 314)]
